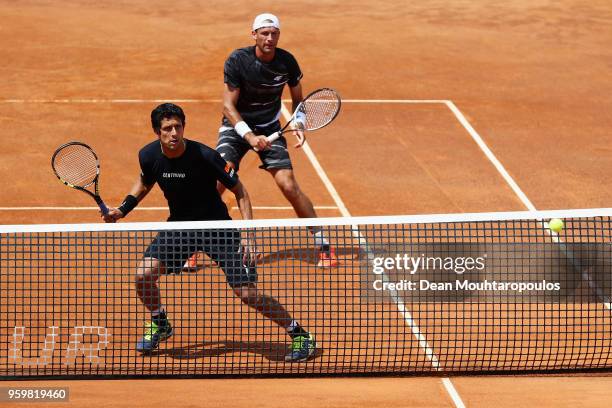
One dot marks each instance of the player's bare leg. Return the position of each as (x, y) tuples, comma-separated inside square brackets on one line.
[(303, 344), (147, 274), (264, 304), (286, 182)]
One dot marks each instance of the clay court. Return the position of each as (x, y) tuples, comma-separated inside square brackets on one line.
[(448, 107)]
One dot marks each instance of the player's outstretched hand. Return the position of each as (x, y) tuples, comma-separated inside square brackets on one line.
[(301, 136), (250, 255), (113, 215)]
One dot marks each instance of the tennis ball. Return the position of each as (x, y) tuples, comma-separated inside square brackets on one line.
[(556, 225)]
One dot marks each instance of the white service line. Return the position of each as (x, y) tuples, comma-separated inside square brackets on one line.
[(261, 207), (401, 307), (407, 101), (119, 101), (192, 100)]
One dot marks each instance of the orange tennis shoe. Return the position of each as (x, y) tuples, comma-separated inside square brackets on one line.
[(327, 259), (193, 262)]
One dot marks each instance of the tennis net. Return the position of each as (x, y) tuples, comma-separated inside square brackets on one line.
[(469, 293)]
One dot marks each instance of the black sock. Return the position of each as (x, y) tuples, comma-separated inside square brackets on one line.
[(160, 320)]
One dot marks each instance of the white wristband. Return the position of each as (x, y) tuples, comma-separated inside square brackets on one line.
[(300, 117), (242, 128)]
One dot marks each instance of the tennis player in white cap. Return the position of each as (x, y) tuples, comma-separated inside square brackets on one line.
[(254, 79)]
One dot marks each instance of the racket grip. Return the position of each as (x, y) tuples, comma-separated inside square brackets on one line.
[(271, 138), (102, 206), (274, 136)]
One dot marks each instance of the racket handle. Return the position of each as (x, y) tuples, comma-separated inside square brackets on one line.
[(274, 136), (102, 206), (271, 138)]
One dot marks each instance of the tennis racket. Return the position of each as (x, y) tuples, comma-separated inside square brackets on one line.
[(76, 165), (317, 110)]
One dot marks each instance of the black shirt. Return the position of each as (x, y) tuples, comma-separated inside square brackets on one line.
[(189, 182), (261, 84)]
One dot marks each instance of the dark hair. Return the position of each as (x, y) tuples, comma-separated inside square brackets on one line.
[(166, 111)]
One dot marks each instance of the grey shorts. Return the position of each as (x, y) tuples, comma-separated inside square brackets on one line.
[(233, 148), (173, 248)]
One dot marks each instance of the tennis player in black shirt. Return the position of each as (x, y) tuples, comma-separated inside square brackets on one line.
[(254, 81), (187, 172)]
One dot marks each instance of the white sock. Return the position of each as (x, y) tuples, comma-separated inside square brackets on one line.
[(320, 240), (292, 326)]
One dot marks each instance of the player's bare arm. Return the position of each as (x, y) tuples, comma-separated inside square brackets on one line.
[(296, 98), (230, 100), (248, 243), (139, 191), (243, 200)]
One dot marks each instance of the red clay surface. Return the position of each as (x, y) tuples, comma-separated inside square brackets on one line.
[(531, 77)]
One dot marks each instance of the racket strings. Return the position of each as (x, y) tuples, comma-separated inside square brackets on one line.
[(76, 165), (321, 108)]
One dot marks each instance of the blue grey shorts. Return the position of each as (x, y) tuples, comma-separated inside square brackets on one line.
[(233, 148), (173, 248)]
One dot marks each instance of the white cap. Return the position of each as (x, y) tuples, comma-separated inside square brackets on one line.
[(265, 20)]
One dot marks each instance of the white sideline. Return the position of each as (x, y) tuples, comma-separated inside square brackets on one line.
[(483, 146), (401, 307)]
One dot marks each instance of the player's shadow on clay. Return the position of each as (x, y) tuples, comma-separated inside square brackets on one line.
[(303, 255), (272, 351), (306, 255)]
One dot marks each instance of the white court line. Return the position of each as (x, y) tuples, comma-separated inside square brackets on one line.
[(408, 101), (135, 101), (190, 100), (262, 207), (483, 146), (523, 197), (401, 307), (452, 391)]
